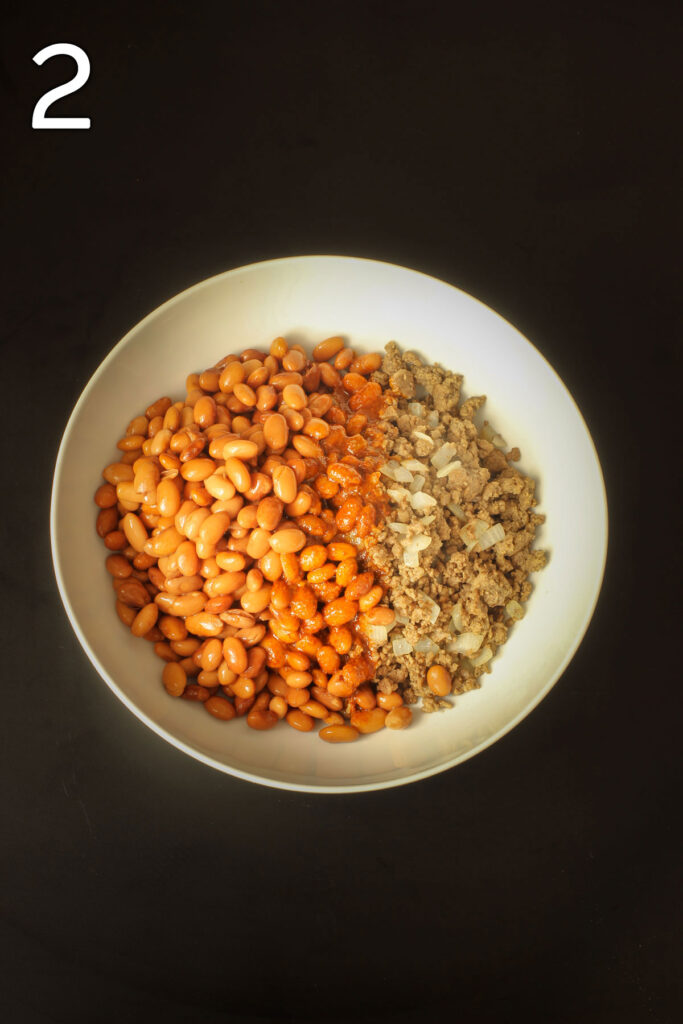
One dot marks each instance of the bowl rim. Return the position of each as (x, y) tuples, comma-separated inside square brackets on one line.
[(411, 776)]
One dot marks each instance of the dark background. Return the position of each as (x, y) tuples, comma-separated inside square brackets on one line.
[(527, 155)]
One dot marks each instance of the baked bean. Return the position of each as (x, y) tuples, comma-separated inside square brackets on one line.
[(389, 701), (197, 469), (323, 574), (238, 474), (340, 639), (369, 600), (300, 505), (174, 678), (219, 487), (365, 365), (340, 611), (280, 595), (307, 447), (235, 655), (276, 432), (172, 627), (439, 680), (134, 531), (117, 472), (262, 719), (243, 688), (311, 379), (203, 624), (296, 680), (326, 699), (254, 580), (133, 593), (168, 498), (164, 543), (187, 605), (232, 374), (164, 651), (290, 567), (195, 692), (347, 571), (303, 602), (312, 557), (105, 496), (398, 718), (231, 561), (294, 396), (225, 583), (368, 721), (328, 659), (361, 585), (259, 543), (205, 411), (108, 521), (125, 613), (380, 615), (118, 566), (287, 540), (269, 513), (298, 720), (266, 398), (213, 527), (116, 541), (338, 733), (145, 619), (348, 513), (278, 705), (365, 698), (329, 376), (344, 475), (337, 551), (239, 449), (259, 487), (212, 655), (220, 708), (325, 350), (256, 601)]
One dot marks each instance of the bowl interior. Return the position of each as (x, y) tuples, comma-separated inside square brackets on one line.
[(307, 299)]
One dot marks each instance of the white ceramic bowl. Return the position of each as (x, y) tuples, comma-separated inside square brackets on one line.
[(309, 298)]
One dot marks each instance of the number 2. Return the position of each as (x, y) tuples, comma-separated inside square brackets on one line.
[(80, 78)]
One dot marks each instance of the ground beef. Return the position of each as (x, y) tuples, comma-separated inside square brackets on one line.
[(485, 486)]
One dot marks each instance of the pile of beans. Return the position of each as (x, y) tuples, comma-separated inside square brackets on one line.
[(236, 522)]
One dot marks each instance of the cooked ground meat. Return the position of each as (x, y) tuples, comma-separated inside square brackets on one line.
[(482, 484)]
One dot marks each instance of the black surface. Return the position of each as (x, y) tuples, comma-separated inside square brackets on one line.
[(526, 155)]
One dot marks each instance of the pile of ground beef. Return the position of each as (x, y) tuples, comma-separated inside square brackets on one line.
[(487, 486)]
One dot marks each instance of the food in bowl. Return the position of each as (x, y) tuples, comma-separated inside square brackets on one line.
[(320, 540)]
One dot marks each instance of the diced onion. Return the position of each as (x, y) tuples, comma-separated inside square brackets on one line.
[(401, 646), (422, 437), (377, 634), (414, 465), (420, 541), (425, 645), (467, 643), (486, 432), (426, 520), (471, 533), (499, 441), (421, 500), (418, 483), (389, 469), (443, 455), (434, 608), (416, 409), (492, 536), (456, 616), (401, 620), (433, 419), (403, 475), (445, 470), (396, 493), (514, 610), (399, 527), (481, 658), (410, 558), (456, 510)]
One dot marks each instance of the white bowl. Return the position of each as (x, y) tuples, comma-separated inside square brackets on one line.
[(308, 298)]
